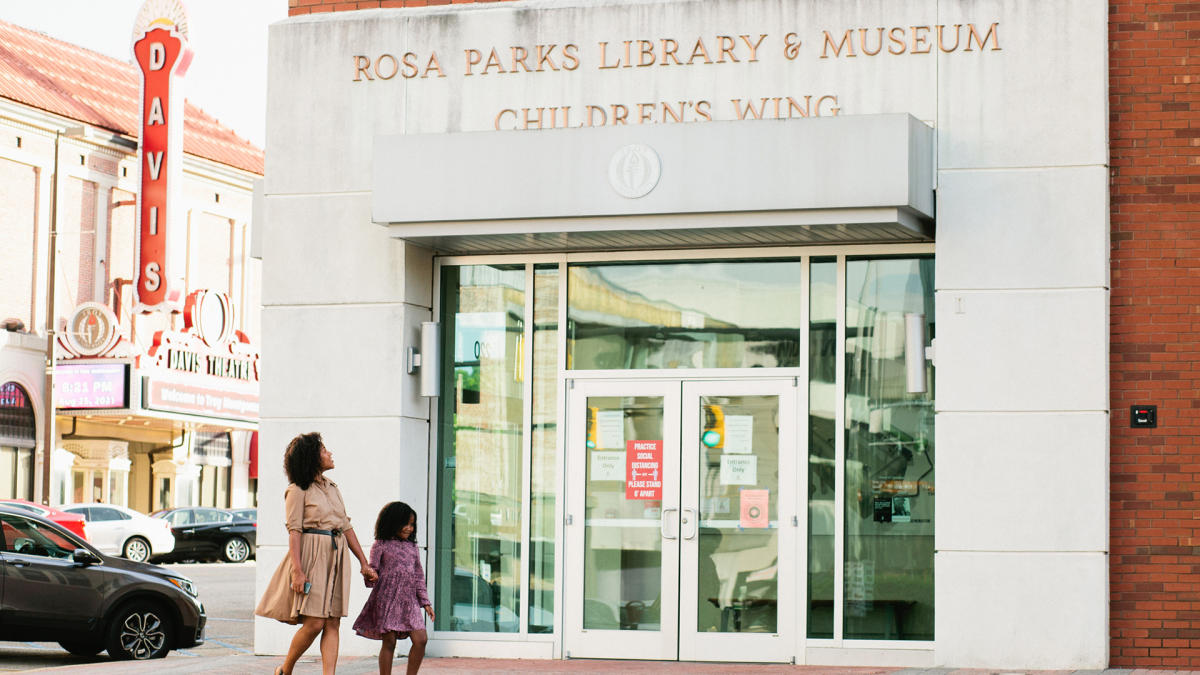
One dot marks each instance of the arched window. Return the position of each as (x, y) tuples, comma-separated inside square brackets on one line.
[(18, 438)]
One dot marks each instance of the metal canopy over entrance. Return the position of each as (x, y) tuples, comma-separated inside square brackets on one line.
[(852, 179)]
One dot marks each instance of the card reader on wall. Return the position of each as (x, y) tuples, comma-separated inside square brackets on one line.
[(1143, 416)]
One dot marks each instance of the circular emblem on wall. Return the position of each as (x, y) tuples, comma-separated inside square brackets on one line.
[(92, 329), (634, 171), (210, 316)]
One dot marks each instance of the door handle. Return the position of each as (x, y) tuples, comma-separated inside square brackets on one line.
[(225, 529), (686, 519), (663, 525), (17, 563)]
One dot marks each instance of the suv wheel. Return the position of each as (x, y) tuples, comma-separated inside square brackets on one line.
[(236, 550), (136, 549), (81, 647), (139, 630)]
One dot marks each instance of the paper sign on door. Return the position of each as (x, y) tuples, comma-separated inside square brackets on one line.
[(608, 465), (739, 434), (755, 504), (739, 469), (643, 472), (610, 429)]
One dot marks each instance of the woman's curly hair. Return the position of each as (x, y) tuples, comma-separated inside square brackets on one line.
[(302, 459)]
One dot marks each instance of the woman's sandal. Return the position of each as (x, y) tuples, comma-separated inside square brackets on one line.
[(278, 671)]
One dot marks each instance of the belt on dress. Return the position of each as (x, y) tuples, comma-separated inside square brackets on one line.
[(332, 534)]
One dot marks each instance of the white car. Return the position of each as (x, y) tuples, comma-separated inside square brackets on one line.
[(117, 530)]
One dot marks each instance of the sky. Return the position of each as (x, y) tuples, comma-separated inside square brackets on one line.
[(228, 75)]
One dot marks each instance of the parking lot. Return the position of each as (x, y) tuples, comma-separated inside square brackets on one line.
[(227, 591)]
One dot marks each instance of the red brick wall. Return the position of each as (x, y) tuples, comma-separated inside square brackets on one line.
[(314, 6), (1154, 96)]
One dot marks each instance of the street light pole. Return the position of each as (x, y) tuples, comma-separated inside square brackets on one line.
[(50, 412)]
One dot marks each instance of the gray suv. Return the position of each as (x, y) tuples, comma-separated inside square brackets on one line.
[(55, 587)]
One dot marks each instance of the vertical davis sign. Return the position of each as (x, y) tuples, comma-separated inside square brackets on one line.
[(160, 47)]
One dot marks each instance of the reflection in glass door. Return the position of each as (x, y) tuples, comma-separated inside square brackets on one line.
[(738, 521), (681, 520), (623, 520)]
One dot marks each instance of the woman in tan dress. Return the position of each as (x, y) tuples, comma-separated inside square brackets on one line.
[(311, 586)]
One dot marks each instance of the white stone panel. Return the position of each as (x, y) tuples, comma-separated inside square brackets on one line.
[(324, 144), (1035, 228), (321, 126), (1024, 611), (325, 250), (1022, 482), (418, 275), (340, 361), (1022, 350), (1041, 100)]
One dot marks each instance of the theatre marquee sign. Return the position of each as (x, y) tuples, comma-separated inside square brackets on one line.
[(797, 64)]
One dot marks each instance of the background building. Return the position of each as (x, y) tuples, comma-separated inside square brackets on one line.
[(117, 437)]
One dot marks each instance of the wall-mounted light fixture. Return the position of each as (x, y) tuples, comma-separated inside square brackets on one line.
[(427, 360)]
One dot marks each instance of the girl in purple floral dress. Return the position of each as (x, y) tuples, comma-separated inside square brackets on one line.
[(394, 609)]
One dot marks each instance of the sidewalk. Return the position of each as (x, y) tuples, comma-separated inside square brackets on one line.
[(358, 665)]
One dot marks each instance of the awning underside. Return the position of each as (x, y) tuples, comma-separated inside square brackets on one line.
[(899, 229)]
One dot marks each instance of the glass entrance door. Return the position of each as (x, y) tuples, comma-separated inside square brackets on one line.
[(681, 520), (622, 526), (738, 544)]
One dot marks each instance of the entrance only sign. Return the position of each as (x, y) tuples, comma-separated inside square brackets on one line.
[(643, 469)]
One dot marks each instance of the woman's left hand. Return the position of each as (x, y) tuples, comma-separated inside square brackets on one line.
[(369, 574), (429, 611)]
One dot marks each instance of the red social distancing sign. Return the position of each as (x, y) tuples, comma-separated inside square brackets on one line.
[(643, 469)]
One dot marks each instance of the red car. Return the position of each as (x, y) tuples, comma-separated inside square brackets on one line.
[(71, 521)]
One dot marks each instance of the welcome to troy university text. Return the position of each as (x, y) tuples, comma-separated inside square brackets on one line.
[(718, 50)]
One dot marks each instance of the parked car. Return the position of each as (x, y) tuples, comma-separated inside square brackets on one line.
[(73, 522), (245, 514), (117, 530), (203, 533), (58, 588)]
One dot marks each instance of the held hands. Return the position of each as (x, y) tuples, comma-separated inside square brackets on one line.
[(370, 576), (298, 580), (429, 611)]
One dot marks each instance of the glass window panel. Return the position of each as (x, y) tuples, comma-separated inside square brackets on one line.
[(738, 567), (733, 314), (889, 454), (480, 460), (622, 574), (29, 537), (822, 402), (545, 449), (164, 493)]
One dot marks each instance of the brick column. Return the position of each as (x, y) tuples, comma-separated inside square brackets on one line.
[(1154, 95)]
